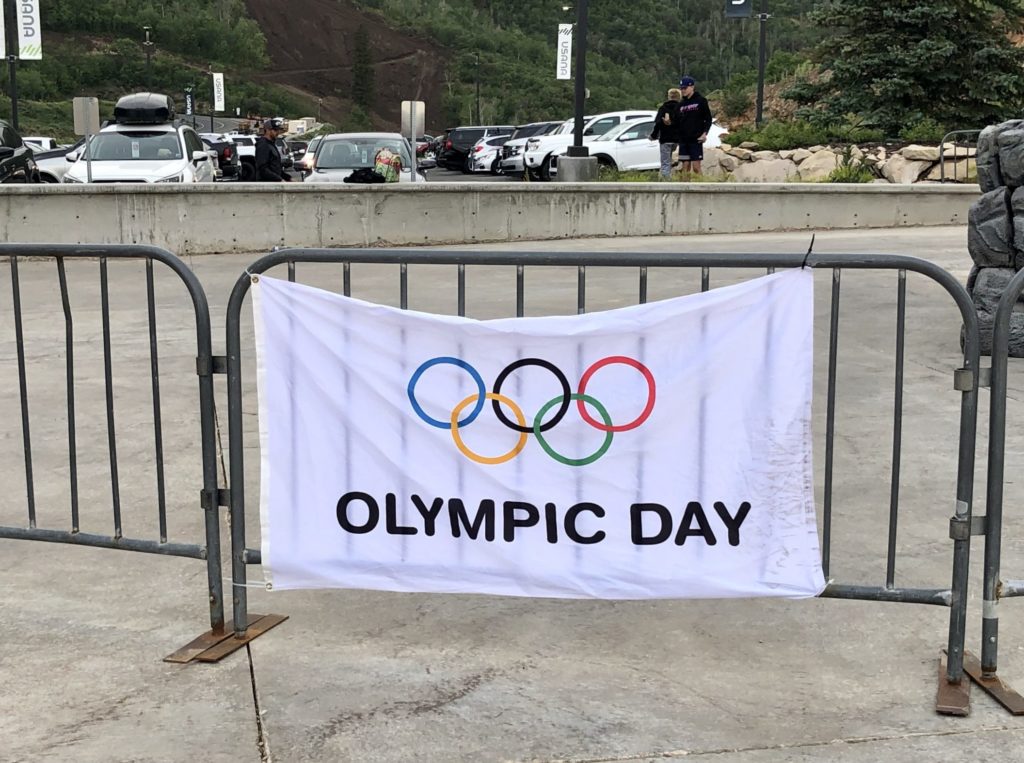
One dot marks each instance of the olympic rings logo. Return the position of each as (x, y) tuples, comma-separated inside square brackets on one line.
[(561, 404)]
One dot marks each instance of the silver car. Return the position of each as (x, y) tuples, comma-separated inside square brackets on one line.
[(341, 154)]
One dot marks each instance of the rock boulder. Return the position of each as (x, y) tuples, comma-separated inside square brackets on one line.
[(990, 230)]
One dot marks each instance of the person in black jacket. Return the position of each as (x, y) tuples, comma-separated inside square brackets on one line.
[(694, 122), (268, 157), (666, 130)]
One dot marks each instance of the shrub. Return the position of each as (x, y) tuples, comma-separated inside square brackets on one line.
[(736, 102), (850, 170), (925, 130)]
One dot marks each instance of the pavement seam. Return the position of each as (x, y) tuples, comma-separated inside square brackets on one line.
[(669, 754), (262, 742)]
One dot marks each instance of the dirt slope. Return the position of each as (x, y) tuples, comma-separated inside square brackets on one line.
[(310, 43)]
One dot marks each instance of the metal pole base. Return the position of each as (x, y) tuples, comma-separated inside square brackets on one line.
[(213, 646), (1001, 692), (952, 699)]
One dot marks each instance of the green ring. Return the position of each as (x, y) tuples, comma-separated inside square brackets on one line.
[(539, 418)]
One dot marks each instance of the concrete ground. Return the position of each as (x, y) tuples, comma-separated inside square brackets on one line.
[(368, 676)]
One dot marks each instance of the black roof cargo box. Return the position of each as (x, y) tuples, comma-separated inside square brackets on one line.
[(144, 109)]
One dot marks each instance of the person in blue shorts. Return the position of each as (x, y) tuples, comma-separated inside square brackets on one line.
[(694, 122)]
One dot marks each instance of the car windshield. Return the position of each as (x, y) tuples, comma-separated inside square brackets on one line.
[(354, 153), (137, 145)]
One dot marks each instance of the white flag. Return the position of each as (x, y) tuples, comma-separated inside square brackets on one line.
[(218, 91), (660, 450), (30, 36), (563, 66)]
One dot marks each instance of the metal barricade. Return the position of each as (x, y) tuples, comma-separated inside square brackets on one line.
[(103, 256), (953, 693), (968, 142), (985, 672)]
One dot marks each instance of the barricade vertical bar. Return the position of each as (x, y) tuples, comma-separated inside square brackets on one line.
[(115, 490), (69, 352), (462, 290), (996, 465), (236, 464), (830, 423), (19, 339), (404, 287), (158, 435), (346, 279), (897, 429), (291, 270), (643, 285), (581, 290), (705, 278), (520, 291)]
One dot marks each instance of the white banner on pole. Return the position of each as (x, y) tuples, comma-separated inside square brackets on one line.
[(563, 67), (3, 37), (655, 451), (30, 35), (218, 91)]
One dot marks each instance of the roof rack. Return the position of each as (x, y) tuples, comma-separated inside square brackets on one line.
[(144, 109)]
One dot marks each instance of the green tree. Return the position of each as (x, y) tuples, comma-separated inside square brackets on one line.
[(363, 90), (895, 64)]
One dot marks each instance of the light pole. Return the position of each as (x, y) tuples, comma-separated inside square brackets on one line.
[(11, 30), (213, 97), (479, 116), (148, 47), (761, 55), (577, 148), (319, 108)]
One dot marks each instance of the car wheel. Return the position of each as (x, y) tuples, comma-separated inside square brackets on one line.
[(545, 169), (466, 169), (247, 172), (44, 178), (496, 166)]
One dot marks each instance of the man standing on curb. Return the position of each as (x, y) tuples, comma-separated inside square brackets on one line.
[(268, 156), (694, 122), (666, 130)]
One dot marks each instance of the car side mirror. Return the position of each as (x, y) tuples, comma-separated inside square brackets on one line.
[(589, 131), (426, 164), (6, 152), (200, 156), (72, 156)]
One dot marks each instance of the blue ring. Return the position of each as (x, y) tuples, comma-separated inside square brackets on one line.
[(481, 391)]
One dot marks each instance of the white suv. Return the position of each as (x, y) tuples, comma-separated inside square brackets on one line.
[(143, 146), (541, 150)]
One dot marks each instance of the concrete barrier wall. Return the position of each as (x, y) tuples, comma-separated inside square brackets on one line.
[(257, 217)]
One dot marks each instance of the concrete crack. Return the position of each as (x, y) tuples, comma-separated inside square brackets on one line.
[(262, 742)]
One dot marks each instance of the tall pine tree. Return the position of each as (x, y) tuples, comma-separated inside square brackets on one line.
[(894, 64)]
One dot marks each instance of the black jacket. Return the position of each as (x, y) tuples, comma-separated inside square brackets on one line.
[(268, 161), (694, 118), (666, 124)]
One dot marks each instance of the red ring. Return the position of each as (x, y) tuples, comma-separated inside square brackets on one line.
[(601, 364)]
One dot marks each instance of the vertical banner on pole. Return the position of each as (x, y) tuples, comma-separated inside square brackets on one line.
[(30, 41), (563, 67), (218, 91), (190, 105), (3, 34)]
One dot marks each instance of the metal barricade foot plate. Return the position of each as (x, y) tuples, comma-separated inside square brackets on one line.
[(214, 646), (952, 699), (994, 685)]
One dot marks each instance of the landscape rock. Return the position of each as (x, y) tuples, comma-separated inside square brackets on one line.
[(960, 171), (986, 286), (785, 154), (741, 153), (750, 145), (819, 166), (712, 167), (767, 171), (953, 151), (800, 154), (1017, 216), (1010, 143), (816, 149), (759, 156), (900, 170), (727, 161), (989, 170), (920, 153), (990, 230)]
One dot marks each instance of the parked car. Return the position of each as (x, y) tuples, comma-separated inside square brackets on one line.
[(143, 145), (541, 150), (42, 144), (298, 149), (423, 145), (305, 164), (53, 164), (245, 145), (227, 154), (340, 154), (461, 139), (629, 147), (17, 163), (486, 155), (512, 151)]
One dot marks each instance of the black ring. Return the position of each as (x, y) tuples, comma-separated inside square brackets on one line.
[(562, 409)]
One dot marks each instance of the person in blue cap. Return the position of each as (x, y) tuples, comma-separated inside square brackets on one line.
[(695, 120)]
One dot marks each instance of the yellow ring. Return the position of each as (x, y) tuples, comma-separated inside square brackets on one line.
[(485, 459)]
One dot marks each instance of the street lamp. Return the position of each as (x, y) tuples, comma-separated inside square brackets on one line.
[(479, 116), (148, 47), (319, 108), (577, 148)]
